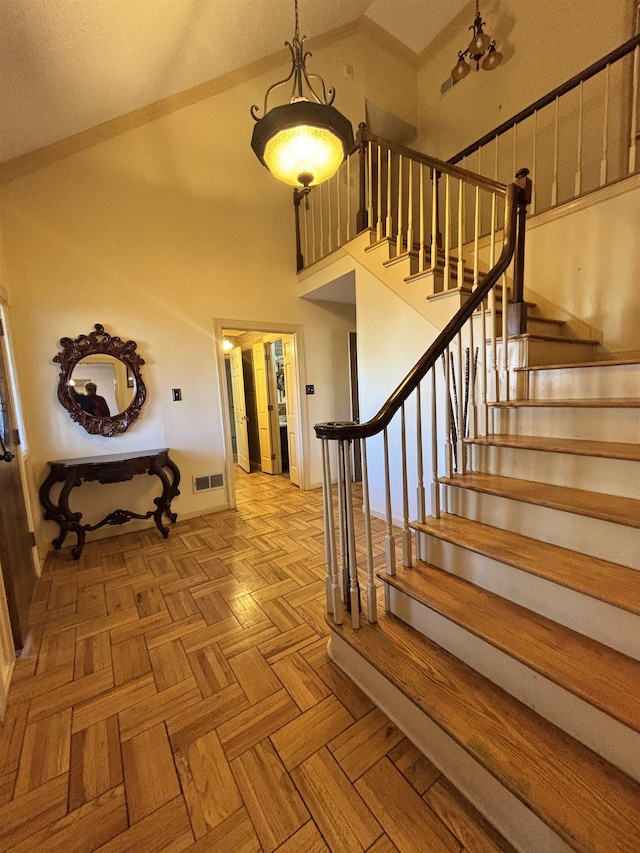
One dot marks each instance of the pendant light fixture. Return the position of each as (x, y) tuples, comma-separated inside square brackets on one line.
[(302, 142), (481, 50)]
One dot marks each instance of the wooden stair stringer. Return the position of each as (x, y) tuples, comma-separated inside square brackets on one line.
[(590, 804)]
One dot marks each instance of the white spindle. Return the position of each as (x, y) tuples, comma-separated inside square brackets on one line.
[(410, 209), (305, 215), (354, 591), (460, 268), (388, 221), (370, 189), (372, 602), (338, 211), (448, 446), (435, 489), (493, 305), (605, 131), (379, 222), (434, 219), (578, 181), (472, 378), (389, 544), (554, 183), (399, 245), (329, 219), (406, 532), (447, 231), (313, 224), (633, 142), (534, 157), (515, 150), (420, 494), (421, 253)]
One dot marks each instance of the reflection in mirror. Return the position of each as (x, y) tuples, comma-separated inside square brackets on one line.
[(100, 383), (112, 395)]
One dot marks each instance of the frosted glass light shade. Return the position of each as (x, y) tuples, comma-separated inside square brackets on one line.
[(303, 155), (302, 143)]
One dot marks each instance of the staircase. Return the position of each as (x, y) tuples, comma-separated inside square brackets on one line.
[(510, 651)]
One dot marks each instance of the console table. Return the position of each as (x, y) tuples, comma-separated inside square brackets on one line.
[(115, 468)]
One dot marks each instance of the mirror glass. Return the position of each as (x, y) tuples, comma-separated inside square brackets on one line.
[(100, 383), (113, 391)]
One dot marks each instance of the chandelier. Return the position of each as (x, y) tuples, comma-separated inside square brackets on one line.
[(481, 50), (302, 142)]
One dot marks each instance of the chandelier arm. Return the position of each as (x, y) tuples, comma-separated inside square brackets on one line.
[(276, 85)]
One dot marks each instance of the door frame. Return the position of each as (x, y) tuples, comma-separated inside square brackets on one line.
[(273, 330)]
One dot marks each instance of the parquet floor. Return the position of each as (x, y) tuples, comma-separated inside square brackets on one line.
[(176, 695)]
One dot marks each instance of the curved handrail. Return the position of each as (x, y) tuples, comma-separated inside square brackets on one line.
[(516, 199), (625, 48)]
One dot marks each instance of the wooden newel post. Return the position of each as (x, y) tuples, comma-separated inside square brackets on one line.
[(517, 312), (298, 195), (361, 216)]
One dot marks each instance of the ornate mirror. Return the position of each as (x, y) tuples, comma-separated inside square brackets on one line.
[(100, 383)]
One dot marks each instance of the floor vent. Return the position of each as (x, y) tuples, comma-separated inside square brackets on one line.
[(209, 481)]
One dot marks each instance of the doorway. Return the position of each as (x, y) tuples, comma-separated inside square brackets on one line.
[(16, 539), (261, 401)]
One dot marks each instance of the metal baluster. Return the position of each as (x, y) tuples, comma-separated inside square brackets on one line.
[(334, 605), (420, 493), (578, 181), (435, 488), (476, 276), (389, 543), (372, 602), (407, 560), (399, 245), (605, 128), (354, 589), (343, 568), (493, 306)]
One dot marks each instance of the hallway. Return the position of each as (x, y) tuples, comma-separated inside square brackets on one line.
[(177, 695)]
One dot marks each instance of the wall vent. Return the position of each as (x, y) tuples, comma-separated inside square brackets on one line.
[(208, 482)]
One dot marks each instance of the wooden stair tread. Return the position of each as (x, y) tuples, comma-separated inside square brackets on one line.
[(578, 403), (603, 363), (613, 508), (588, 802), (601, 676), (577, 447), (592, 576)]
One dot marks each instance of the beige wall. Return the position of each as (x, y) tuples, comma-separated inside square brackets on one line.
[(156, 233), (544, 43)]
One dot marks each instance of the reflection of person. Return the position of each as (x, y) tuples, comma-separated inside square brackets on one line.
[(86, 403), (101, 407)]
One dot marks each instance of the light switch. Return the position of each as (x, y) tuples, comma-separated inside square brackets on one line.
[(176, 394)]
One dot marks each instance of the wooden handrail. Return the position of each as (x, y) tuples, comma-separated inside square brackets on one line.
[(517, 197), (549, 98), (439, 166)]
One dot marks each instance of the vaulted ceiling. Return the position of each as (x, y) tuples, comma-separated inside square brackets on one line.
[(67, 65)]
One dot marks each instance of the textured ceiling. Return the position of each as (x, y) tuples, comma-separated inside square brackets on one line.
[(67, 65)]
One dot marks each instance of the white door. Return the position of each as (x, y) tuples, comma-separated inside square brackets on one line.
[(291, 392), (264, 409), (240, 409)]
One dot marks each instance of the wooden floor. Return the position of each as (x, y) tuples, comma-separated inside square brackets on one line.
[(177, 695)]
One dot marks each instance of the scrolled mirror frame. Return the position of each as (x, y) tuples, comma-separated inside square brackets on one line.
[(99, 342)]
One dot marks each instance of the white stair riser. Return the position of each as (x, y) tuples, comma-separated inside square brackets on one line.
[(613, 741), (603, 622), (526, 832), (527, 352), (591, 473), (571, 383), (615, 542), (592, 424)]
